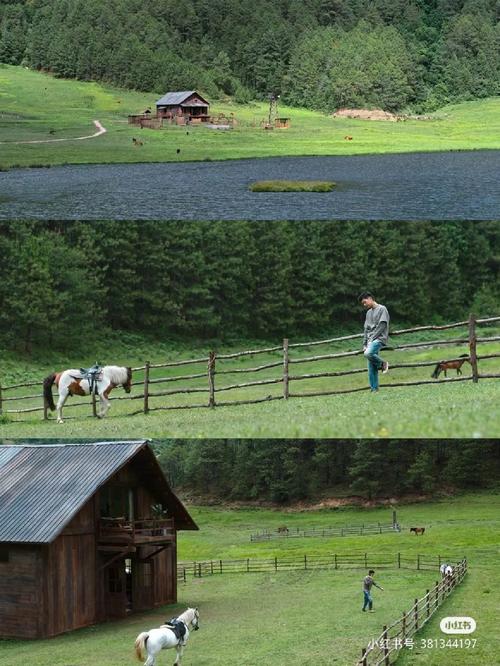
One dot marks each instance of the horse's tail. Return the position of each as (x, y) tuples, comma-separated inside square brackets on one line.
[(140, 644), (436, 372), (47, 390)]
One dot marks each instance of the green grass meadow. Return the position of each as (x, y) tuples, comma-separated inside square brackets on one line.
[(312, 617), (452, 409), (35, 107)]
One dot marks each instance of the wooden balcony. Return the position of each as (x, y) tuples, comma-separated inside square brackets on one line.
[(148, 531)]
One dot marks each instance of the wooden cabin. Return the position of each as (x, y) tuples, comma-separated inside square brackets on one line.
[(88, 532), (183, 107)]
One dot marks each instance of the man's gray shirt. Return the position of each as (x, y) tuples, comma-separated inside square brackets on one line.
[(376, 325)]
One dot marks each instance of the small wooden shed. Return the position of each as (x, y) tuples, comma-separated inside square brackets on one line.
[(88, 532), (183, 107)]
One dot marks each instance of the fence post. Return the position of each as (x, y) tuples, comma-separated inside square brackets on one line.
[(286, 359), (94, 405), (427, 603), (473, 348), (399, 560), (385, 640), (45, 406), (418, 562), (363, 657), (146, 387), (0, 400), (436, 596), (305, 561), (403, 627), (276, 564), (220, 566), (336, 566), (211, 379), (415, 614), (184, 573)]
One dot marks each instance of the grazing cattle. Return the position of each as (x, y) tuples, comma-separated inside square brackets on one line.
[(417, 530), (443, 366)]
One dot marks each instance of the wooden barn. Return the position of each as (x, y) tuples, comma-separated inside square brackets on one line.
[(87, 533), (183, 107)]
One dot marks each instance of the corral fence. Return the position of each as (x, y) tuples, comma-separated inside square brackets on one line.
[(153, 376), (200, 569), (385, 649), (346, 530)]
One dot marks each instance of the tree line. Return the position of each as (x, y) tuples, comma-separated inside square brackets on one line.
[(321, 54), (230, 281), (285, 471)]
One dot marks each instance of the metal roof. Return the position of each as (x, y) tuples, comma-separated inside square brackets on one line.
[(43, 486), (179, 97)]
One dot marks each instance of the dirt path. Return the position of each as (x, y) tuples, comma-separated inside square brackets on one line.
[(100, 130)]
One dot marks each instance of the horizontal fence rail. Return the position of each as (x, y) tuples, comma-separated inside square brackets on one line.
[(304, 562), (385, 649), (200, 387), (345, 530)]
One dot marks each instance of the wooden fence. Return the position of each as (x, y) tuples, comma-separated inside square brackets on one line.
[(346, 530), (278, 387), (386, 648), (200, 569)]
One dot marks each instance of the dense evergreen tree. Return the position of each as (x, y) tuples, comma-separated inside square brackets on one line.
[(319, 53), (285, 471), (231, 280)]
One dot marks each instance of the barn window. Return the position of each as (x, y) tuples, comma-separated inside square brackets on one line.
[(4, 554)]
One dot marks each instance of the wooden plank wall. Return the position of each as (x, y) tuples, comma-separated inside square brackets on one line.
[(20, 593), (70, 576)]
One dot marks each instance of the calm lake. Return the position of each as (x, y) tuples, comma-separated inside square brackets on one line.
[(447, 185)]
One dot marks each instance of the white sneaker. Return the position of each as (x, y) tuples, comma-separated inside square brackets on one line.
[(385, 368)]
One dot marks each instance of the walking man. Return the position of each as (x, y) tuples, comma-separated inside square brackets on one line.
[(376, 334), (368, 582)]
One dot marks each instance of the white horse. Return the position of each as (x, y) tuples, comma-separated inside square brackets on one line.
[(446, 570), (163, 638), (72, 382)]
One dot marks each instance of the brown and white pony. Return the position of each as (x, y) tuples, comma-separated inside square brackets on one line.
[(71, 382)]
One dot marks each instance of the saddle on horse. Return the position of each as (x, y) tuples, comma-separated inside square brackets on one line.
[(179, 629), (92, 375)]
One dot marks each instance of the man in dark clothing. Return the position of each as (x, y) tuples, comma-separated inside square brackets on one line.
[(376, 334), (368, 582)]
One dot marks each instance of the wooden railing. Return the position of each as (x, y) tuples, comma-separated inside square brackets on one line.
[(345, 530), (304, 562), (119, 530), (216, 367)]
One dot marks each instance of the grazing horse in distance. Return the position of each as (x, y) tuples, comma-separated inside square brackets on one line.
[(417, 530), (76, 382), (443, 366), (174, 633)]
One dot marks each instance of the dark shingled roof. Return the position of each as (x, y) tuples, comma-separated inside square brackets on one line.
[(42, 487), (177, 98)]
